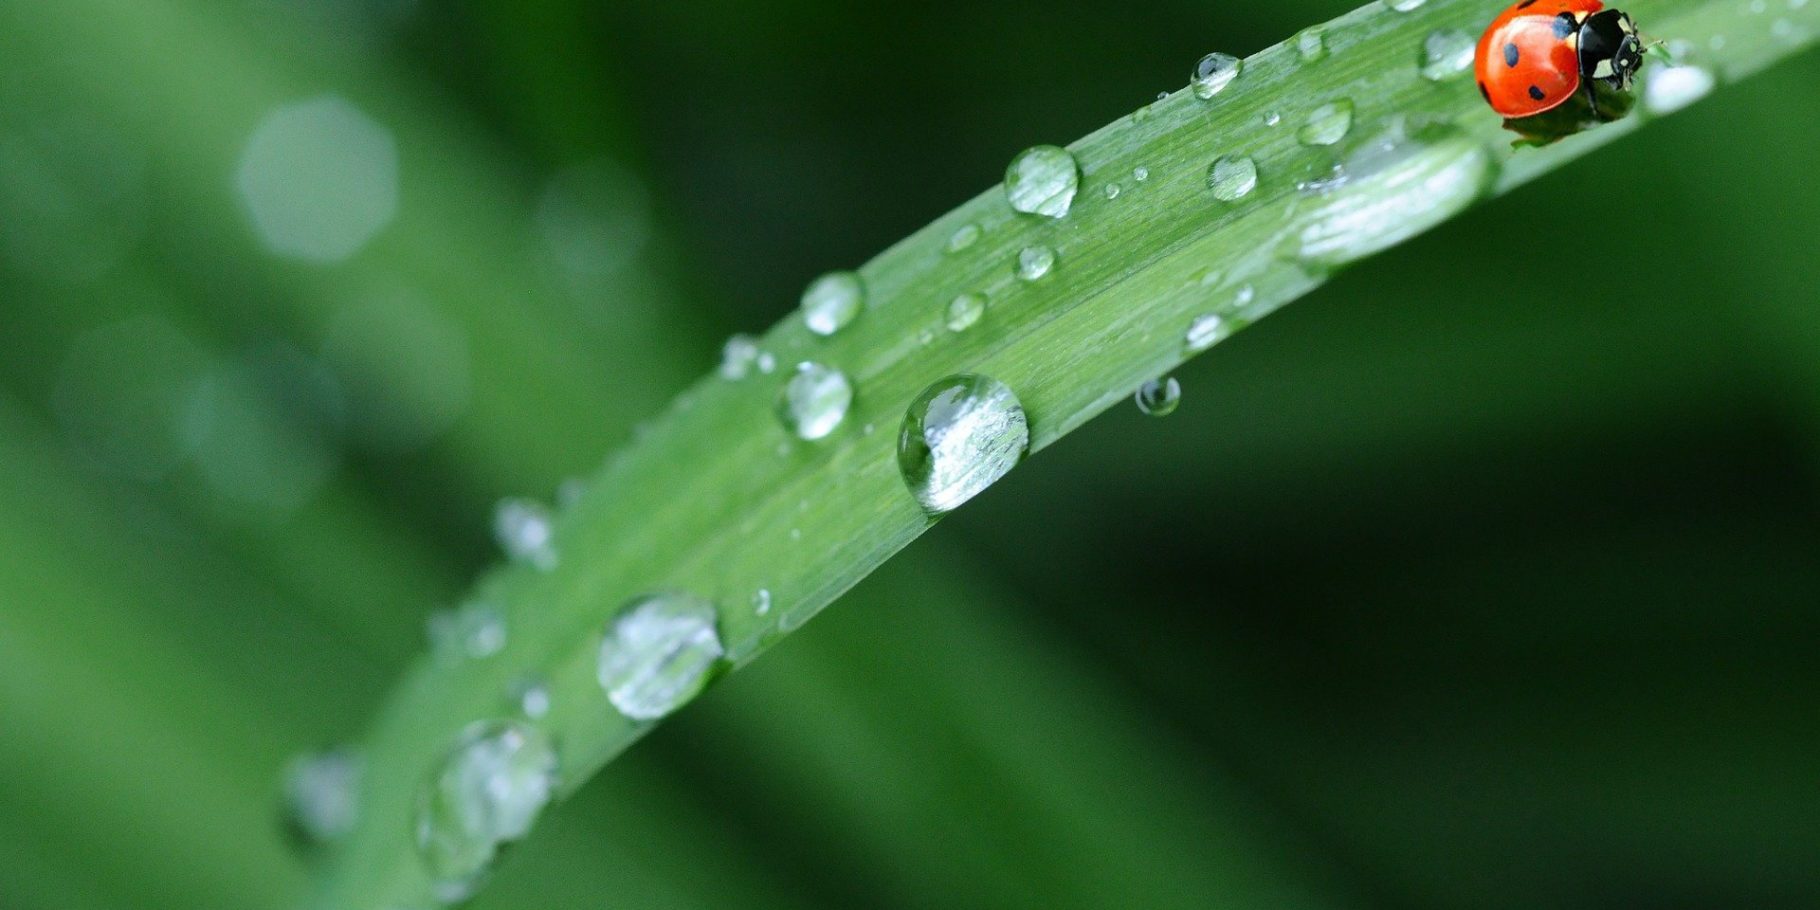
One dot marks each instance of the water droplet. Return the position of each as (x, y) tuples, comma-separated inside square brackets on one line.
[(1158, 397), (964, 311), (474, 630), (1447, 52), (761, 601), (322, 793), (1112, 191), (963, 237), (959, 437), (1140, 173), (1035, 262), (1404, 6), (814, 401), (1213, 73), (658, 653), (1667, 89), (488, 792), (1311, 44), (767, 362), (1043, 181), (1232, 177), (525, 531), (1211, 277), (1758, 7), (738, 356), (1205, 332), (1394, 190), (1784, 29), (832, 301), (1328, 124), (533, 698), (319, 178)]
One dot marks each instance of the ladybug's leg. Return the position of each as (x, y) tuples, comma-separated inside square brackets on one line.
[(1592, 99)]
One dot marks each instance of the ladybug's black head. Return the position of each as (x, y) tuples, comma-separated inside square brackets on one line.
[(1610, 50)]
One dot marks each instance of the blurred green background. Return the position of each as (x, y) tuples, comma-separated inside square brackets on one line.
[(1485, 577)]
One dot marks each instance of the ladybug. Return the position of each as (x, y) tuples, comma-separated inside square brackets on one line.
[(1537, 54)]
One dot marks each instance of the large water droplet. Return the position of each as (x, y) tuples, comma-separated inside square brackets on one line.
[(1158, 397), (1311, 44), (1213, 73), (658, 653), (832, 301), (814, 401), (1392, 191), (1232, 177), (738, 356), (474, 630), (488, 791), (959, 437), (1035, 262), (526, 532), (1328, 124), (1667, 89), (1043, 181), (964, 311), (1447, 52), (322, 793)]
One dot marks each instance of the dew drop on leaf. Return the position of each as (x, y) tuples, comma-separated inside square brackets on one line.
[(487, 792), (814, 401), (1043, 181), (657, 654), (959, 437)]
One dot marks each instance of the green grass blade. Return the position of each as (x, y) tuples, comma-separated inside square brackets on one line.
[(716, 499)]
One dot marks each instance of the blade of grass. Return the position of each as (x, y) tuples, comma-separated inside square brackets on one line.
[(717, 500)]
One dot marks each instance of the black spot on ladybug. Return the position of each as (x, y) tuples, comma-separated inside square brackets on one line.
[(1510, 55), (1486, 92), (1565, 25), (1537, 93)]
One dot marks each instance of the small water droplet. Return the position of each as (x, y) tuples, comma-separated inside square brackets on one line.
[(767, 362), (1272, 118), (1140, 173), (658, 653), (1205, 332), (814, 401), (1213, 73), (1784, 29), (1404, 6), (1034, 262), (1245, 295), (1394, 189), (1112, 191), (533, 698), (475, 630), (964, 311), (963, 237), (1758, 7), (570, 492), (322, 793), (1311, 44), (738, 356), (488, 792), (832, 301), (1043, 181), (1667, 89), (1328, 124), (526, 532), (1446, 53), (761, 601), (1232, 177), (1211, 277), (1158, 397), (959, 437)]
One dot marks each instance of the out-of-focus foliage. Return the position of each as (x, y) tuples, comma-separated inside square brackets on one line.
[(1484, 577)]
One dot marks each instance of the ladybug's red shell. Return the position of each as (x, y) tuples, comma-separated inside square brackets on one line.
[(1528, 59)]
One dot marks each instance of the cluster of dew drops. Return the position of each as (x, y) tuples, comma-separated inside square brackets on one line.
[(957, 438)]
